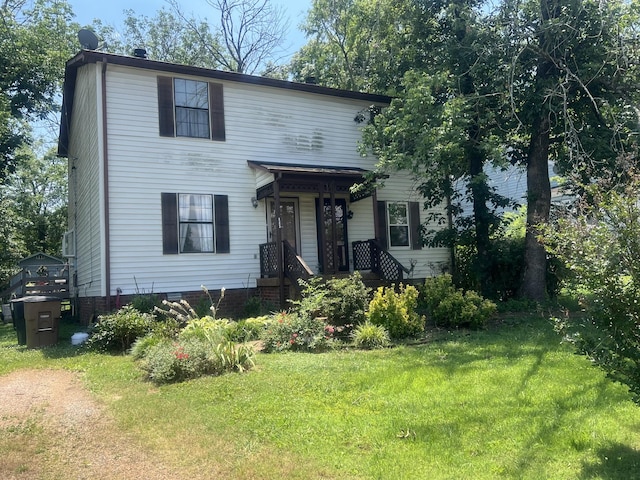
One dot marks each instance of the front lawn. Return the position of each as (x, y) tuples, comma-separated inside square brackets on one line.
[(508, 402)]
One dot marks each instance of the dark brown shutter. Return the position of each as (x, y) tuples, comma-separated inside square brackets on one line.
[(216, 111), (221, 207), (381, 227), (414, 225), (169, 223), (165, 107)]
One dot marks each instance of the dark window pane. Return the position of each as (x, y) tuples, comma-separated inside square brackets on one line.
[(399, 236)]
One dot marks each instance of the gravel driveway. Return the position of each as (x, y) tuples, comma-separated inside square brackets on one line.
[(65, 434)]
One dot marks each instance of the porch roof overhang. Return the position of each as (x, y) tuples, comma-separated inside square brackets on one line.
[(300, 178)]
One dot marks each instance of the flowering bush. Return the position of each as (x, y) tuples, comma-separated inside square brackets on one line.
[(176, 361), (183, 312), (342, 301), (290, 331)]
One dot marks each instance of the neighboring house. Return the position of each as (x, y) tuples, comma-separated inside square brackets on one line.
[(182, 176)]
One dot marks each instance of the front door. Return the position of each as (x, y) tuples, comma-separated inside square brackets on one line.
[(332, 259), (289, 219)]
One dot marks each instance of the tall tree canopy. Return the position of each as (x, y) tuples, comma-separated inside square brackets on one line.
[(165, 36), (364, 45), (36, 38), (573, 90), (530, 82)]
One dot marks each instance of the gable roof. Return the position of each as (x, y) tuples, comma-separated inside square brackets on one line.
[(85, 57)]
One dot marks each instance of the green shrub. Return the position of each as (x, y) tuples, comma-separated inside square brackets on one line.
[(289, 331), (146, 302), (600, 247), (142, 345), (370, 336), (246, 330), (342, 301), (396, 311), (116, 332), (169, 362), (451, 307)]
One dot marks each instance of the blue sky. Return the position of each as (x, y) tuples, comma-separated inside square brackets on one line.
[(110, 12)]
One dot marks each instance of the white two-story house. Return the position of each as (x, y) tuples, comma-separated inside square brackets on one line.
[(182, 176)]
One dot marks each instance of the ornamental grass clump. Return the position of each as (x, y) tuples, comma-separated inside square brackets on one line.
[(174, 361), (199, 346), (369, 336)]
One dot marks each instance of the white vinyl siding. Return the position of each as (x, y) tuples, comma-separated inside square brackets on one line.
[(262, 124), (85, 202)]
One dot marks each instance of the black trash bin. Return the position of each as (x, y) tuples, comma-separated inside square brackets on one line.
[(36, 320), (19, 325)]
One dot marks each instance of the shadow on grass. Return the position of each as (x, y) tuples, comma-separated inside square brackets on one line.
[(616, 462)]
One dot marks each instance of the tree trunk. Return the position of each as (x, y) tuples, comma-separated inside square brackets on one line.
[(481, 214), (538, 206), (538, 186)]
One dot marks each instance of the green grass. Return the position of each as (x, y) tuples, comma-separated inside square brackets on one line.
[(509, 402)]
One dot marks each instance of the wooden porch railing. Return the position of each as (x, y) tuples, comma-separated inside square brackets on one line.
[(369, 255), (295, 268), (51, 280)]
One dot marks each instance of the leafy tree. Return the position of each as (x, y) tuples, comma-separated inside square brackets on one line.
[(364, 45), (442, 128), (165, 36), (37, 195), (35, 41), (573, 68)]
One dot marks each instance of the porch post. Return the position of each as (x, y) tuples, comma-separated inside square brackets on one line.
[(321, 232), (276, 195), (376, 220), (334, 229)]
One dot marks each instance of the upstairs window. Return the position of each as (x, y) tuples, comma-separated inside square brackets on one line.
[(190, 108)]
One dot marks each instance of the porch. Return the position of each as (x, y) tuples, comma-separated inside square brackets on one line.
[(376, 265), (318, 203)]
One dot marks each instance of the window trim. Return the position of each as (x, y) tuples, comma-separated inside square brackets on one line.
[(167, 109), (171, 224), (382, 229), (398, 225)]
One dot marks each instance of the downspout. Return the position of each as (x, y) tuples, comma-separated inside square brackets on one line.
[(105, 174)]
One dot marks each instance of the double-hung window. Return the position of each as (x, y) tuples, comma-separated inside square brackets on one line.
[(195, 216), (190, 108), (194, 223), (398, 224)]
